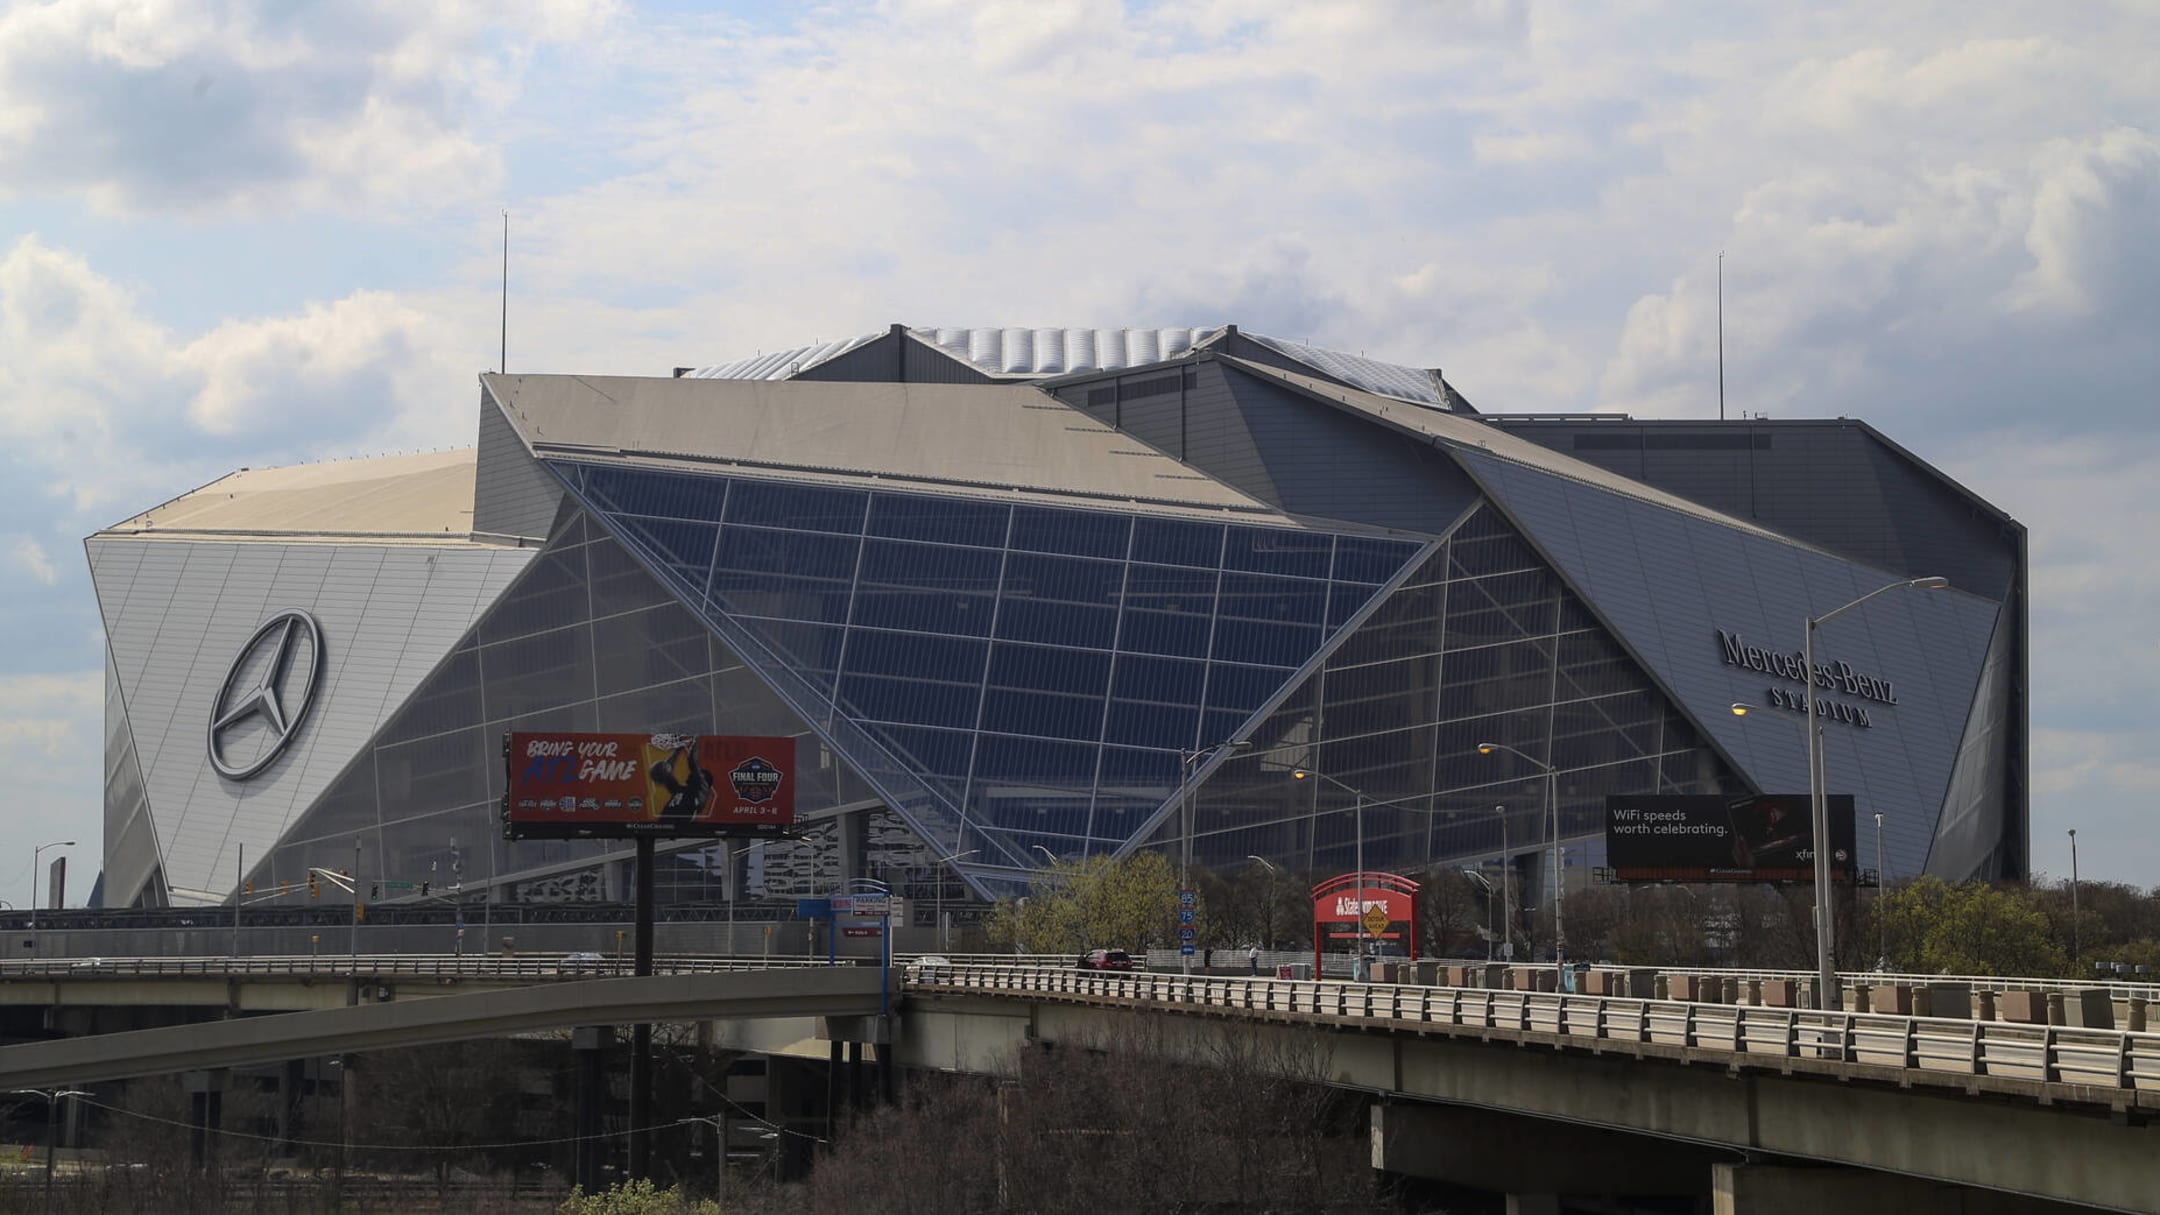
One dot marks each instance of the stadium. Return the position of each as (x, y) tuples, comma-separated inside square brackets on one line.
[(1024, 595)]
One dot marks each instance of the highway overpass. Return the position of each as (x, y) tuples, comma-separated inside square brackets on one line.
[(2020, 1114), (727, 995), (2027, 1112)]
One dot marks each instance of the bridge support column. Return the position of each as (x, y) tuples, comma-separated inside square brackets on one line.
[(588, 1045), (206, 1109), (1761, 1189)]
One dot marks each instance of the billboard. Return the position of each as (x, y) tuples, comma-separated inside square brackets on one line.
[(1715, 838), (569, 785)]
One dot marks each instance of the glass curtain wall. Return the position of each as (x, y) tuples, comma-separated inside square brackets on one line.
[(1036, 670), (586, 639), (1482, 643)]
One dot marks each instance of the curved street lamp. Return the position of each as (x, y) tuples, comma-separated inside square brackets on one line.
[(1359, 810), (35, 853), (1552, 802), (1186, 761), (1819, 803), (938, 909)]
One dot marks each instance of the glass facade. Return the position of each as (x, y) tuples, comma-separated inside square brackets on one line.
[(1014, 677), (586, 639), (1481, 643)]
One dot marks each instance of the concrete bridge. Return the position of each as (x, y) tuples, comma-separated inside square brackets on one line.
[(1532, 1093), (1541, 1094), (730, 995)]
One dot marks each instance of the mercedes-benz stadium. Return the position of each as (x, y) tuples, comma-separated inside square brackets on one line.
[(1035, 594)]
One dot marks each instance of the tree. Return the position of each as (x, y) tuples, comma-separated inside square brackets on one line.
[(1148, 1119), (1091, 902), (1935, 927)]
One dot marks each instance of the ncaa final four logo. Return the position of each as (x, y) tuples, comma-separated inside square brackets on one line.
[(755, 780)]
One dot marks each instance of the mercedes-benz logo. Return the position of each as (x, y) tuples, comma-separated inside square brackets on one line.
[(261, 684)]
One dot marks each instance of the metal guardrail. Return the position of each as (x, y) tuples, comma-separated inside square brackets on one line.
[(1737, 1034), (2118, 988), (478, 966)]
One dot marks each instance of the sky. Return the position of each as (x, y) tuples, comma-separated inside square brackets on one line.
[(251, 232)]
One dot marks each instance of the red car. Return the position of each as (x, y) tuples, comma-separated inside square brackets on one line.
[(1106, 959)]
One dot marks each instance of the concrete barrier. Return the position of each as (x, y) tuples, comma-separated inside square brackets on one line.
[(1950, 1000), (2022, 1007), (2090, 1008)]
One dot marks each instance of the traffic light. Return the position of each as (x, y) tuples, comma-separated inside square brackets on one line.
[(284, 888), (374, 890), (248, 888), (424, 888), (359, 912), (314, 885)]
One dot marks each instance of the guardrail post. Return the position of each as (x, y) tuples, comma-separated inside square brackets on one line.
[(2050, 1071), (1792, 1033)]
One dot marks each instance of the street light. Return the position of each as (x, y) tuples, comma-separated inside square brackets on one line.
[(35, 853), (1186, 760), (1552, 801), (1507, 866), (1267, 916), (1882, 886), (52, 1128), (1492, 926), (1825, 913), (1051, 856), (2072, 896), (943, 936), (1357, 964)]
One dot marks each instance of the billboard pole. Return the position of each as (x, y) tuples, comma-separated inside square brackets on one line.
[(641, 1033)]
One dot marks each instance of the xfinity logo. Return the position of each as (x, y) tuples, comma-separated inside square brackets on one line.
[(262, 684)]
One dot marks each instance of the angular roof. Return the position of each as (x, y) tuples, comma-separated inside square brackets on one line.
[(1468, 432), (1034, 353), (1004, 439), (425, 497)]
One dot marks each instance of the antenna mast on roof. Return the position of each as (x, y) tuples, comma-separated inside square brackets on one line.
[(1720, 328), (502, 364)]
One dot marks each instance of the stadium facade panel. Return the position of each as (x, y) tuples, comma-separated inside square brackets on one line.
[(1026, 594)]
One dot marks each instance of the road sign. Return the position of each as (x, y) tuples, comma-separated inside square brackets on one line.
[(863, 904), (401, 885), (1186, 915), (1187, 933), (814, 909), (1376, 920), (1186, 949), (1188, 898)]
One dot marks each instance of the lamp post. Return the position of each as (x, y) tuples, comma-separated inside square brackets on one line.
[(2074, 934), (1507, 866), (1492, 925), (35, 853), (52, 1129), (1358, 965), (1552, 802), (1186, 761), (1825, 914), (943, 942), (1267, 913), (1882, 883)]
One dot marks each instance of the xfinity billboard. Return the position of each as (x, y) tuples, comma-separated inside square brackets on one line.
[(1687, 838)]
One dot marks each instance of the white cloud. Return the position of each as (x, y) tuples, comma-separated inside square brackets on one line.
[(51, 743), (30, 557), (106, 411), (192, 106)]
